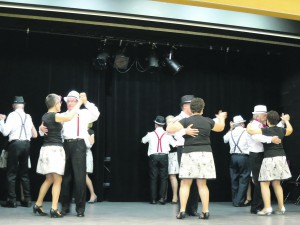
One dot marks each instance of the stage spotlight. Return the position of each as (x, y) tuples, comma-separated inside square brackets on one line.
[(153, 63), (101, 61), (121, 61), (172, 65)]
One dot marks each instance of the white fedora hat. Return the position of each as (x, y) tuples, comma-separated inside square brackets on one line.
[(238, 119), (72, 94), (259, 109)]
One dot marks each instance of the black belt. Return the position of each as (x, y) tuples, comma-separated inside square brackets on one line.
[(159, 154), (241, 154), (18, 140), (73, 140)]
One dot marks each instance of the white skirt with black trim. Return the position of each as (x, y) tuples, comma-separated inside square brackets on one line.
[(197, 165), (173, 167), (89, 161), (274, 168), (52, 159)]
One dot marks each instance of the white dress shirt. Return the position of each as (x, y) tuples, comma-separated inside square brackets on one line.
[(154, 145), (179, 134), (13, 126), (72, 129), (239, 137), (256, 140)]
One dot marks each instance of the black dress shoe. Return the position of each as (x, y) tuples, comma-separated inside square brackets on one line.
[(181, 215), (204, 216), (153, 202), (80, 214), (54, 213), (239, 205), (39, 210), (26, 204), (9, 204), (247, 203), (65, 211), (162, 201), (193, 214), (254, 211)]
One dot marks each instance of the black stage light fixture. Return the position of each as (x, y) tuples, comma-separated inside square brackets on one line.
[(121, 60), (153, 63), (152, 60), (101, 61), (172, 65)]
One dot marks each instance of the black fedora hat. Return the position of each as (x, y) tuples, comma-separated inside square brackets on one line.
[(186, 99), (18, 100), (160, 120)]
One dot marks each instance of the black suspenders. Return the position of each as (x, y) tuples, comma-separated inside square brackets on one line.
[(236, 143), (23, 125)]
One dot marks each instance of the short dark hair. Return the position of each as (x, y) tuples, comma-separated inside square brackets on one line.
[(51, 100), (273, 117), (197, 105)]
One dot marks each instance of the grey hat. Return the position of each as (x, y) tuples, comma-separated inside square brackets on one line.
[(18, 100), (160, 120), (186, 99)]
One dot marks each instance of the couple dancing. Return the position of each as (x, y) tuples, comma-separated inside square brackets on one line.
[(64, 155)]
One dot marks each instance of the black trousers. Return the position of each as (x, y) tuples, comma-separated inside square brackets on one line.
[(158, 165), (193, 200), (75, 170), (255, 160), (17, 163), (240, 174)]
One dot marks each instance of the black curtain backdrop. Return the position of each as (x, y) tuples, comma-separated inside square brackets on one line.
[(36, 65)]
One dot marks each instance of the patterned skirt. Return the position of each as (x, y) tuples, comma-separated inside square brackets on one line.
[(52, 159), (173, 167), (89, 161), (197, 165), (274, 168)]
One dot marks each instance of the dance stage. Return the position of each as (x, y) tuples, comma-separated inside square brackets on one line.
[(142, 213)]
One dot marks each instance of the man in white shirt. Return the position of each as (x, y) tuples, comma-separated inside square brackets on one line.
[(239, 169), (192, 204), (20, 129), (74, 133), (158, 150), (256, 153)]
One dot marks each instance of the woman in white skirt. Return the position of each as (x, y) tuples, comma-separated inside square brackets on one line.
[(89, 141), (173, 167), (274, 167), (51, 161), (197, 160)]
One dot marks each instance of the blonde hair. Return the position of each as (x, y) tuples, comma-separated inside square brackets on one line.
[(169, 119)]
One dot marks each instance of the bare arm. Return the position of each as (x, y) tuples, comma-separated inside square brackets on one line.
[(289, 128), (92, 139), (43, 129), (251, 130), (68, 116), (220, 122), (174, 127)]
